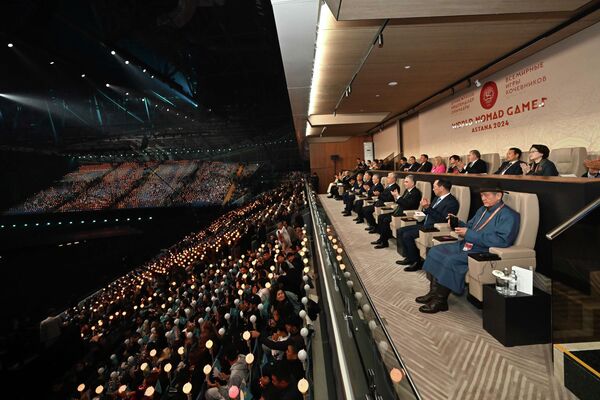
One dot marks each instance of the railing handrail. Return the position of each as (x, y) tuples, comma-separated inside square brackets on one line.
[(579, 215), (343, 365), (313, 211)]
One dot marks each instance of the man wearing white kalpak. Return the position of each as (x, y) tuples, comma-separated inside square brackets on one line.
[(493, 225)]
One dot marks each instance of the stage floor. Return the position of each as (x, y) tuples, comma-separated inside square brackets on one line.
[(448, 354)]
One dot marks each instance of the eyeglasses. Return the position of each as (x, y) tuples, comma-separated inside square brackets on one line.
[(534, 151)]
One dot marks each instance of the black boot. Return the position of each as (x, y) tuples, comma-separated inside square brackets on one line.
[(432, 285), (439, 302)]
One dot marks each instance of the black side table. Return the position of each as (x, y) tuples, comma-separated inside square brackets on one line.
[(516, 320)]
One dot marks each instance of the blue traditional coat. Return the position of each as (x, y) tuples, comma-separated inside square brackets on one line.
[(448, 263)]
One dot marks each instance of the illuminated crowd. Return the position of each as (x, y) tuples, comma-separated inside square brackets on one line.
[(134, 184), (222, 314)]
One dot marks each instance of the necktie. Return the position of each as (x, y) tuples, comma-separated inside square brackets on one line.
[(507, 167), (439, 199)]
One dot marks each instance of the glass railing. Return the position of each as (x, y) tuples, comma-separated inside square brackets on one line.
[(367, 362)]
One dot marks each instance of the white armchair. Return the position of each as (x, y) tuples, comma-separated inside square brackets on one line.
[(521, 253)]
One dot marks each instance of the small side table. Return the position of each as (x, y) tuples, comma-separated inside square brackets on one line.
[(517, 320)]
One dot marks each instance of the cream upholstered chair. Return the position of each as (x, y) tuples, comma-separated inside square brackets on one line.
[(397, 223), (425, 239), (521, 253), (569, 161), (525, 157), (492, 160)]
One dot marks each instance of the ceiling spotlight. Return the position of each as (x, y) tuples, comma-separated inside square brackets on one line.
[(377, 95), (126, 93), (152, 77), (10, 45), (144, 70), (51, 62), (380, 40), (477, 83), (113, 52), (83, 75), (107, 85), (407, 67), (167, 109), (392, 83), (126, 62)]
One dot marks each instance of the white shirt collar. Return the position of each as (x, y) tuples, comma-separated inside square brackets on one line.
[(444, 196)]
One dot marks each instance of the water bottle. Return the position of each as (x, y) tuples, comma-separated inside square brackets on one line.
[(505, 281), (512, 284)]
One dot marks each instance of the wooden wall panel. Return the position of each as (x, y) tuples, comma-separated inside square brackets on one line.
[(320, 158)]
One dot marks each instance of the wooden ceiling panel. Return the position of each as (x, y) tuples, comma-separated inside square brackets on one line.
[(365, 10), (438, 55)]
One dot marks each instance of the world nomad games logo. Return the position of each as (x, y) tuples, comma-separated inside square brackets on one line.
[(488, 95)]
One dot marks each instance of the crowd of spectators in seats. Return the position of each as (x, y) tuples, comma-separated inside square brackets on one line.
[(132, 184), (241, 188), (222, 312)]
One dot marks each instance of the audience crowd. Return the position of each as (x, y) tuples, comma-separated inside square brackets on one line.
[(150, 184), (221, 314)]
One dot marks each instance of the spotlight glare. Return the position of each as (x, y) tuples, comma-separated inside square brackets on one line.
[(83, 75), (107, 85), (51, 62), (10, 45), (144, 70), (126, 62), (113, 52), (127, 94)]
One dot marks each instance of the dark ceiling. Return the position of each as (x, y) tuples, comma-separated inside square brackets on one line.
[(195, 74)]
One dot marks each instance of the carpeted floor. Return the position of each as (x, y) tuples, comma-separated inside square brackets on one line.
[(448, 354)]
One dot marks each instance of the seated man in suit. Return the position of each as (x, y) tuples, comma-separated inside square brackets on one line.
[(512, 165), (475, 165), (493, 225), (404, 165), (375, 189), (385, 196), (540, 165), (342, 178), (591, 173), (350, 195), (408, 201), (437, 211), (454, 164), (414, 165), (425, 166)]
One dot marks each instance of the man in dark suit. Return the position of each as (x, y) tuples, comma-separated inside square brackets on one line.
[(363, 191), (476, 165), (425, 166), (385, 196), (375, 190), (437, 211), (404, 165), (350, 195), (414, 165), (512, 165), (408, 201)]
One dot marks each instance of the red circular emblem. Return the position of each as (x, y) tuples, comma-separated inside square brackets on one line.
[(488, 95)]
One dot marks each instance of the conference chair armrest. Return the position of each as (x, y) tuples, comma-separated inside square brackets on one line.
[(442, 227), (507, 253), (410, 213)]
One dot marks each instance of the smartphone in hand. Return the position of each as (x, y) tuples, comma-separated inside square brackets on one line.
[(453, 219)]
